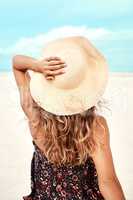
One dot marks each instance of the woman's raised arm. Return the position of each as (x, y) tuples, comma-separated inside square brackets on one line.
[(21, 64)]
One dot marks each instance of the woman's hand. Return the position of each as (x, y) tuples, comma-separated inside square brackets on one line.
[(51, 66)]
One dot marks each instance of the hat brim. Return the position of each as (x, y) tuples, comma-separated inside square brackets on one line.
[(67, 102)]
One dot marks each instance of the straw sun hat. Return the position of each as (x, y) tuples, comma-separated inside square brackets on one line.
[(83, 83)]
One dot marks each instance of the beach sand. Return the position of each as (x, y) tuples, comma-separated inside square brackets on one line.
[(16, 146)]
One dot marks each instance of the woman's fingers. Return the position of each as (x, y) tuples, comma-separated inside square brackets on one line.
[(53, 66), (51, 62), (52, 58), (55, 72), (56, 67), (56, 62), (50, 77)]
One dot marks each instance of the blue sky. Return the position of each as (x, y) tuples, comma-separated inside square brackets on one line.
[(26, 25)]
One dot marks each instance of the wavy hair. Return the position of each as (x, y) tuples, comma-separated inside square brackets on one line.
[(68, 139)]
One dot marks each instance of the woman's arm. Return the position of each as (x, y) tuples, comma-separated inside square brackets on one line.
[(21, 64), (50, 66), (108, 182)]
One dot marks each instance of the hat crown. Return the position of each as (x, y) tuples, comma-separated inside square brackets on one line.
[(75, 71)]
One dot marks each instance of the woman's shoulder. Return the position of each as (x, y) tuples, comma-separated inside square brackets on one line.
[(100, 130), (100, 118), (100, 121)]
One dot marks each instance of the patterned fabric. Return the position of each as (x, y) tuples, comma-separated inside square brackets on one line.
[(62, 183)]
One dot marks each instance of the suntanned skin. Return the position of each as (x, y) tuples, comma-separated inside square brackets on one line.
[(50, 67), (108, 182)]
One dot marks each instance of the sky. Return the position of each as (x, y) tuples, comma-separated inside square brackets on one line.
[(26, 26)]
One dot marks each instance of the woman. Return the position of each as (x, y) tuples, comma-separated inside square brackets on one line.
[(72, 158)]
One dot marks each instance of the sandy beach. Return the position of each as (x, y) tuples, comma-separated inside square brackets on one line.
[(16, 146)]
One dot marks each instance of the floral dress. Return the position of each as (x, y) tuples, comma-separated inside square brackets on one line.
[(62, 183)]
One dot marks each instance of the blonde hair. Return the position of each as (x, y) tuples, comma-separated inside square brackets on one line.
[(68, 139)]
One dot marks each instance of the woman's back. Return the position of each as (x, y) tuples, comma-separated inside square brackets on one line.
[(49, 182), (72, 133)]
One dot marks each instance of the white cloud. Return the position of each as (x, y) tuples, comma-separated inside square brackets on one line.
[(116, 46), (33, 46)]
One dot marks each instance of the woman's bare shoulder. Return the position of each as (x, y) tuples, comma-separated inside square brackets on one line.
[(100, 118), (100, 121), (101, 130)]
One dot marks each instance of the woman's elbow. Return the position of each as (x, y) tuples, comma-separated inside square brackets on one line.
[(111, 189), (15, 60), (104, 183)]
